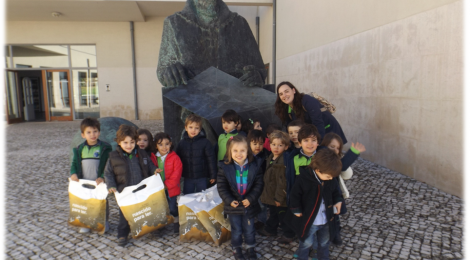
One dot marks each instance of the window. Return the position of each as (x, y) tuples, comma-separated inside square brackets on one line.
[(81, 62), (37, 56)]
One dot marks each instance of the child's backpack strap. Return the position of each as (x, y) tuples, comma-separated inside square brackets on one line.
[(327, 106)]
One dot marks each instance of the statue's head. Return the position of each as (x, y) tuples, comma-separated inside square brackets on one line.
[(206, 7)]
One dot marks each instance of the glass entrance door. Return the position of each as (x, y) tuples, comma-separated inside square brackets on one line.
[(14, 114), (58, 96)]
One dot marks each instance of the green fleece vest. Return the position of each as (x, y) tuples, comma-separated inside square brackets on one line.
[(300, 161), (223, 139)]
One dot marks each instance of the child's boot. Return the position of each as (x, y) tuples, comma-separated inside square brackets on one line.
[(122, 241), (106, 226), (238, 254), (176, 228), (286, 240), (337, 240), (176, 225), (251, 253), (265, 233), (259, 225)]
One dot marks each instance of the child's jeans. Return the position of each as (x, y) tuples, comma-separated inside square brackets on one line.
[(322, 235), (190, 185), (123, 227), (241, 225), (173, 207), (263, 215)]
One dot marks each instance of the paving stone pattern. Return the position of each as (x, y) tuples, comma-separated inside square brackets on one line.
[(390, 216)]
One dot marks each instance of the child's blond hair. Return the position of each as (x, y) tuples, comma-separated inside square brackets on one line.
[(284, 137), (233, 140)]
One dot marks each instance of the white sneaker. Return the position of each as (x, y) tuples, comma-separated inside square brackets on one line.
[(84, 230)]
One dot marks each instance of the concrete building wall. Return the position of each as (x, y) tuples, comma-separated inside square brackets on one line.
[(148, 39), (398, 89), (309, 24)]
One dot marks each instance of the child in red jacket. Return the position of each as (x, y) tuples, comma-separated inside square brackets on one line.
[(170, 169)]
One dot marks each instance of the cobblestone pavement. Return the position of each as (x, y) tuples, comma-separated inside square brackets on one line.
[(390, 216)]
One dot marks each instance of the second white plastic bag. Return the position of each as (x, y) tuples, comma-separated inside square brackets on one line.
[(145, 206)]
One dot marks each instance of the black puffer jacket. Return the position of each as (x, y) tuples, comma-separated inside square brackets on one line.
[(117, 172), (228, 191), (197, 156)]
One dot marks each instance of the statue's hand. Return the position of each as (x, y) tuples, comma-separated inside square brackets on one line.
[(176, 75), (251, 77)]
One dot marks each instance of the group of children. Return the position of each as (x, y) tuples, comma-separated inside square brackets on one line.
[(288, 174)]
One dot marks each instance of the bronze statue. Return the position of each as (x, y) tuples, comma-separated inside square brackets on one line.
[(204, 34)]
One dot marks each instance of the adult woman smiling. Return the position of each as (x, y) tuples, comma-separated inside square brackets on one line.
[(291, 104)]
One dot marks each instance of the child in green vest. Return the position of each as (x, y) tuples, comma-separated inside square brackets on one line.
[(90, 157), (230, 121)]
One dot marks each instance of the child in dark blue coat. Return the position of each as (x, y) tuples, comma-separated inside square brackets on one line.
[(197, 155), (256, 140), (240, 185)]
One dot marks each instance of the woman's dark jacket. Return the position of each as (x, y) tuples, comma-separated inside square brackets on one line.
[(197, 156), (348, 159), (306, 197), (118, 169), (228, 191), (324, 121)]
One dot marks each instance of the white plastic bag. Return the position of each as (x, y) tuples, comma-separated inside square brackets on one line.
[(87, 205), (201, 217), (145, 206)]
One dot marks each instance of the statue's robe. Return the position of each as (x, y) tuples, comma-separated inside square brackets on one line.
[(228, 44)]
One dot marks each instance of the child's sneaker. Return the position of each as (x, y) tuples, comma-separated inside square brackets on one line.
[(238, 254), (251, 253), (84, 230)]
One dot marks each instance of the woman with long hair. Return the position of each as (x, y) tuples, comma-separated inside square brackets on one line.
[(291, 104)]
